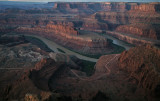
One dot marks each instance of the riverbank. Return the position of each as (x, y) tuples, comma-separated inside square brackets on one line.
[(54, 47), (117, 49)]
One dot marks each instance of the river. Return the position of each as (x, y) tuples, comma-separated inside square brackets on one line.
[(53, 46), (118, 42)]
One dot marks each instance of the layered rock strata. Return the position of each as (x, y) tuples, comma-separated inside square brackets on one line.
[(143, 67), (67, 36), (143, 30)]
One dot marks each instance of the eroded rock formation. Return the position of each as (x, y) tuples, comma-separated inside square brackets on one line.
[(104, 6), (67, 36), (152, 7), (143, 30), (141, 19), (142, 64), (62, 29), (94, 25), (134, 73)]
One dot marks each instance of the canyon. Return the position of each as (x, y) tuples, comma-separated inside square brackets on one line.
[(53, 76), (87, 43), (135, 19), (80, 51)]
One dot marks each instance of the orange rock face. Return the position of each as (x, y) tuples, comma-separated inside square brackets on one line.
[(67, 36), (142, 63), (63, 29), (146, 7), (94, 26), (62, 6), (92, 6), (143, 30)]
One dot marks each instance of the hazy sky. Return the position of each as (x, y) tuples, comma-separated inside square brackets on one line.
[(84, 0)]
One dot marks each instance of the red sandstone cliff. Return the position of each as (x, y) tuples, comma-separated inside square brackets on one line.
[(67, 36), (134, 73), (127, 17), (62, 29), (105, 6), (138, 67), (142, 64), (143, 30), (152, 7), (94, 25)]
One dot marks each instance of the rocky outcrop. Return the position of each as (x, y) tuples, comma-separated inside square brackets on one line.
[(152, 7), (62, 29), (72, 8), (134, 13), (143, 30), (134, 73), (15, 61), (61, 6), (26, 70), (94, 26), (14, 53), (32, 97), (42, 76), (104, 62), (131, 39), (80, 43), (121, 6), (92, 7), (135, 25), (127, 17), (71, 5), (142, 64), (138, 67), (31, 73)]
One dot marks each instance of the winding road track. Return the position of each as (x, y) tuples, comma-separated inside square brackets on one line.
[(95, 77), (106, 65)]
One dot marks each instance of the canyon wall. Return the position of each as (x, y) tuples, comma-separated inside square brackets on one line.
[(137, 22), (143, 30), (104, 6), (109, 6), (92, 25), (152, 7), (136, 19), (127, 17), (130, 39), (138, 67), (69, 38), (62, 29), (143, 67)]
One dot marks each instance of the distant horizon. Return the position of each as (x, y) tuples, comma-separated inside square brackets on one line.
[(81, 0)]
